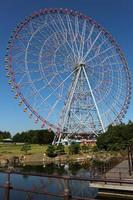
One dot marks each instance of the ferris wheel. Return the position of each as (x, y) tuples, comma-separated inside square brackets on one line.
[(68, 72)]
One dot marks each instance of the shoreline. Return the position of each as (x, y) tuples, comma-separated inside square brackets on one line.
[(39, 158)]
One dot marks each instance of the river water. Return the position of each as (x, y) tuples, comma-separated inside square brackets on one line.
[(78, 188)]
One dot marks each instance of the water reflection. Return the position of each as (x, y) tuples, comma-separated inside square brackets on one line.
[(75, 169), (78, 188)]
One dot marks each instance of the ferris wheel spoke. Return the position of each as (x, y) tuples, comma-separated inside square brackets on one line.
[(27, 31), (72, 36), (75, 35), (29, 54), (47, 85), (57, 39), (34, 102), (101, 44), (90, 34), (41, 104), (104, 65), (22, 71), (59, 45), (81, 49), (36, 80), (22, 41), (38, 41), (111, 108), (108, 117), (52, 108), (33, 94), (71, 33), (93, 43), (100, 53), (32, 30), (33, 26), (117, 102), (21, 79), (64, 29), (19, 53), (106, 58), (113, 112), (55, 29), (51, 65), (59, 86)]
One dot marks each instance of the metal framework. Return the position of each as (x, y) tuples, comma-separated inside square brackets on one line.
[(68, 72)]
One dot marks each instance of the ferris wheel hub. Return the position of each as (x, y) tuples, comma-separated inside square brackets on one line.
[(82, 64), (79, 65)]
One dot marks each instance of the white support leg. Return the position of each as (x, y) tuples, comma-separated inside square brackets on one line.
[(93, 99), (69, 102)]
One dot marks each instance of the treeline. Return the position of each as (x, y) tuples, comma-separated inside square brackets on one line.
[(116, 137), (31, 136), (35, 137)]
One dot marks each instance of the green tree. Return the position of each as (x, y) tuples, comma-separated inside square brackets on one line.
[(85, 148), (35, 137), (60, 150), (51, 151), (74, 148), (17, 137), (45, 137), (26, 147), (116, 137), (4, 135)]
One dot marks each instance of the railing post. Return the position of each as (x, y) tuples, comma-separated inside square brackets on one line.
[(7, 187), (67, 191), (120, 176), (129, 161), (132, 156)]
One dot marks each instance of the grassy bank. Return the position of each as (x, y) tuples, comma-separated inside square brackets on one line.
[(37, 153), (15, 150)]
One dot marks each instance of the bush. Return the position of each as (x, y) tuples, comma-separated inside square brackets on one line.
[(74, 148), (60, 149), (51, 151), (85, 148), (26, 147)]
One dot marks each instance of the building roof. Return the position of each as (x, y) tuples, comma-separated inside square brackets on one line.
[(7, 140)]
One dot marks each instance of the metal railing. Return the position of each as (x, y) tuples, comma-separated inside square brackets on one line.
[(66, 194)]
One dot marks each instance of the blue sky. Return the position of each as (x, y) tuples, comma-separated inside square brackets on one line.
[(115, 15)]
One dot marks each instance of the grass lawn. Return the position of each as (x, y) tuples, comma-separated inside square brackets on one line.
[(15, 149)]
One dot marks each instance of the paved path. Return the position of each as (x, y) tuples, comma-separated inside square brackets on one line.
[(116, 190), (120, 170)]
